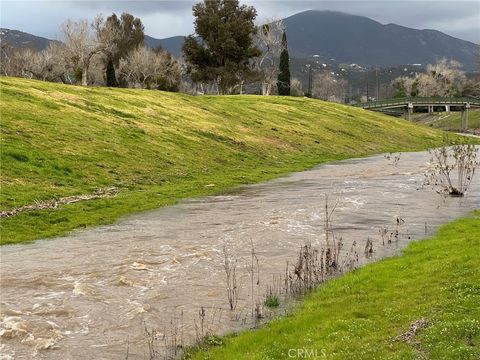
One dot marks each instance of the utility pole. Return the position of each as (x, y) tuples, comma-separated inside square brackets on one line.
[(367, 86), (376, 83), (310, 80)]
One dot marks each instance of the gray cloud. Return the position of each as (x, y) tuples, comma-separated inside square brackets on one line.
[(139, 7), (169, 18)]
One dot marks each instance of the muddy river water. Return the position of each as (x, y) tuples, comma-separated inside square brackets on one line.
[(91, 294)]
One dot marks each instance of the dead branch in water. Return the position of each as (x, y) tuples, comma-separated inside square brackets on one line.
[(328, 228), (253, 260), (369, 248), (151, 336), (306, 273), (230, 267)]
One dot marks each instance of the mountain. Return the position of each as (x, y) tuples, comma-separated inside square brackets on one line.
[(173, 44), (333, 35), (358, 39), (20, 39)]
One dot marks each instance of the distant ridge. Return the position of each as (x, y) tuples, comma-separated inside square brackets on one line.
[(334, 35), (358, 39), (351, 38), (173, 44), (23, 40)]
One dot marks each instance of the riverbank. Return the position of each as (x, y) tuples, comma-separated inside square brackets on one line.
[(420, 305), (154, 148), (100, 287)]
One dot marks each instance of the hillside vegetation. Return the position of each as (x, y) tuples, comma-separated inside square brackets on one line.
[(368, 314), (158, 147), (451, 121)]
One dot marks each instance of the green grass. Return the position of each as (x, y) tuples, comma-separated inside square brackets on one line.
[(272, 301), (158, 147), (451, 121), (358, 315)]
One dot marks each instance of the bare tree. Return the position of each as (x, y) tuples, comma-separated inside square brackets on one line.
[(448, 76), (269, 40), (48, 65), (12, 60), (296, 87), (150, 69), (329, 87), (445, 79), (403, 85), (84, 41), (472, 88), (6, 54), (453, 168)]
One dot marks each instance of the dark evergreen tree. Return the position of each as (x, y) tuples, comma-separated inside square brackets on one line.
[(283, 83), (111, 79), (130, 34), (223, 46)]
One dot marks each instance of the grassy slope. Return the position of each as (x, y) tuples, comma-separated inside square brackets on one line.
[(359, 315), (158, 147), (451, 121)]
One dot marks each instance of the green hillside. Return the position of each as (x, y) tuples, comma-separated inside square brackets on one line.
[(451, 121), (158, 147), (367, 314)]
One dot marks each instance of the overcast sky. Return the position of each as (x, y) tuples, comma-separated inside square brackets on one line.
[(169, 18)]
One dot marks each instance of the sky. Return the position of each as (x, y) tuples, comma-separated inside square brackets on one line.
[(169, 18)]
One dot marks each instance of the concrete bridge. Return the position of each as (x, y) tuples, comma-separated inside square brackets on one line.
[(407, 105)]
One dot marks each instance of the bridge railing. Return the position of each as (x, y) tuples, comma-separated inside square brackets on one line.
[(417, 100)]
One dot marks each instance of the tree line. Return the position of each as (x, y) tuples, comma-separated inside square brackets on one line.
[(443, 79), (107, 52), (228, 54)]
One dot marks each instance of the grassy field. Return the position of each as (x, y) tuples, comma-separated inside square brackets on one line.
[(158, 147), (435, 283), (451, 121)]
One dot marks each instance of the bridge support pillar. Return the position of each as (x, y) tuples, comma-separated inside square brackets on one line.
[(447, 108), (430, 109), (465, 117), (407, 113)]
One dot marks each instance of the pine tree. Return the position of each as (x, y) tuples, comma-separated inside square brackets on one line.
[(110, 74), (283, 83), (223, 52)]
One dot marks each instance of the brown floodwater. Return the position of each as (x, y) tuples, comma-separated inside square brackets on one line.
[(89, 295)]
